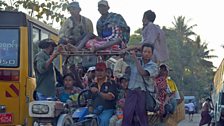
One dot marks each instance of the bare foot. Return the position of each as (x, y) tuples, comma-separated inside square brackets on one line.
[(93, 49), (70, 47)]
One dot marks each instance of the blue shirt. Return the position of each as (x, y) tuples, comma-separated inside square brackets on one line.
[(136, 80)]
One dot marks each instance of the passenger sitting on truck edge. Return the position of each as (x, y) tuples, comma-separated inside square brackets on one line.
[(161, 89), (173, 93), (113, 32), (77, 29)]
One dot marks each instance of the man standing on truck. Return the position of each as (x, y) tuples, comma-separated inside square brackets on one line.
[(45, 71), (153, 34), (143, 70)]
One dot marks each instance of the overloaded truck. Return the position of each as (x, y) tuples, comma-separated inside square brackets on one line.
[(218, 96)]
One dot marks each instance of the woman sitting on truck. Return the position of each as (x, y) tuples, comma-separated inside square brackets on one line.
[(161, 88), (68, 91)]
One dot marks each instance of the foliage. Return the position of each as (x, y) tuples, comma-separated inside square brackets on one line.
[(48, 10), (190, 69), (135, 38), (194, 69)]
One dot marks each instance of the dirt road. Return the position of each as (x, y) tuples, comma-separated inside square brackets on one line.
[(186, 122)]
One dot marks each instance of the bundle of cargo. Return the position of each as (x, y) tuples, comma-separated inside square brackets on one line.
[(178, 115), (170, 120)]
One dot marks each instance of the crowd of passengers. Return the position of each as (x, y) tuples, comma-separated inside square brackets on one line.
[(119, 93), (111, 88)]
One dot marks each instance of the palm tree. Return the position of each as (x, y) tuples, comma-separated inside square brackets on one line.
[(182, 29), (191, 70)]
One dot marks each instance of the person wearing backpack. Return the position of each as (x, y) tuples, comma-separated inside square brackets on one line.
[(77, 29), (113, 31)]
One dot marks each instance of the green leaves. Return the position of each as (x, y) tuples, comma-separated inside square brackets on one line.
[(189, 58), (64, 6), (49, 10)]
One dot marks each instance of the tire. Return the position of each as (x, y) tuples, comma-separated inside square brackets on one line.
[(220, 123), (93, 122), (35, 123), (65, 120)]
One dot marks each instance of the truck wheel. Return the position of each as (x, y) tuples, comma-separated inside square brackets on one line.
[(220, 123), (35, 123), (65, 120), (92, 122)]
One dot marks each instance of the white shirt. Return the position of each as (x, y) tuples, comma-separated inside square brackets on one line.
[(190, 106)]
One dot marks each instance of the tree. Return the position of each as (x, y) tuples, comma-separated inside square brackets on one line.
[(192, 70), (182, 29), (135, 38), (48, 11)]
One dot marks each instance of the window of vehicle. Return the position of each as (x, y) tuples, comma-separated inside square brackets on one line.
[(36, 38), (9, 47), (37, 35), (44, 34)]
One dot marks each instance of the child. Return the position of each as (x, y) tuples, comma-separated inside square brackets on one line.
[(116, 120), (69, 91), (89, 77)]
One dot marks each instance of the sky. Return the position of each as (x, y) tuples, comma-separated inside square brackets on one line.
[(206, 14)]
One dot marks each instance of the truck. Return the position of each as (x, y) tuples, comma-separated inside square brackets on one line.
[(218, 96)]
